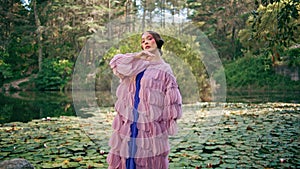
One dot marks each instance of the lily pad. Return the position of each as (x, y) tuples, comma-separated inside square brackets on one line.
[(50, 165), (60, 143)]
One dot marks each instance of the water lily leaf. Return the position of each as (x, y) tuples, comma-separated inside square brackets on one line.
[(226, 165), (274, 136), (232, 152), (103, 160), (75, 149), (70, 165), (91, 164), (231, 161), (65, 155), (206, 156), (219, 153), (172, 165), (172, 154), (175, 159), (59, 159), (77, 158), (79, 153), (7, 149), (51, 165), (195, 157)]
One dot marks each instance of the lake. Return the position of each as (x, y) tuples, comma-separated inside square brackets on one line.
[(26, 106), (253, 130)]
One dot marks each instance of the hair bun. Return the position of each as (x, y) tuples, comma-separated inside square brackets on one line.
[(159, 43)]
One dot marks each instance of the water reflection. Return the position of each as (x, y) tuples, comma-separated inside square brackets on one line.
[(26, 106)]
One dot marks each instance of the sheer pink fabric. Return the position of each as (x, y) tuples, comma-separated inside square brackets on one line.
[(159, 108)]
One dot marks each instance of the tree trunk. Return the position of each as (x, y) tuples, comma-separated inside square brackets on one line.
[(233, 42), (39, 36), (133, 7), (109, 19), (164, 13), (144, 16), (127, 15)]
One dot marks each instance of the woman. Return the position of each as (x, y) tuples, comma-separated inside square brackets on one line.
[(148, 105)]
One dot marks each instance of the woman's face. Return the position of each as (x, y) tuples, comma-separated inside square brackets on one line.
[(148, 42)]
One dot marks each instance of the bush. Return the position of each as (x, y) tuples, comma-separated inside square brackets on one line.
[(293, 57), (256, 73), (5, 68), (55, 74), (5, 72)]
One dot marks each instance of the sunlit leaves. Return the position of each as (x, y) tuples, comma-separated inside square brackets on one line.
[(221, 22), (272, 28)]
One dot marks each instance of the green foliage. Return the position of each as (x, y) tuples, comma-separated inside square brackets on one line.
[(16, 40), (272, 28), (187, 81), (221, 21), (5, 68), (185, 50), (292, 57), (62, 34), (66, 25), (256, 73), (21, 55), (54, 75), (185, 62)]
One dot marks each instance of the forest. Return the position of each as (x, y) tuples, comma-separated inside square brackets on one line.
[(57, 90), (256, 41)]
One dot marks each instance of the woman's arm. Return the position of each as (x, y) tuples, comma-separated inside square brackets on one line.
[(130, 64)]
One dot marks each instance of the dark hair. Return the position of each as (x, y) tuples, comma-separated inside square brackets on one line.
[(159, 41)]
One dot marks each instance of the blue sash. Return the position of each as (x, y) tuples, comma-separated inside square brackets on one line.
[(130, 163)]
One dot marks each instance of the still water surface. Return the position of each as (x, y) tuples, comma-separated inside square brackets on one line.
[(26, 106)]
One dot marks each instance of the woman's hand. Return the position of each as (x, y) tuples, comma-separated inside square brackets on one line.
[(146, 55)]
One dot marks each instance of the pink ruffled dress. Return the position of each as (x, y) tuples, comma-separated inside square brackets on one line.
[(157, 109)]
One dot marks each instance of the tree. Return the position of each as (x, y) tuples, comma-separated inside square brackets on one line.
[(272, 28), (66, 27), (221, 21), (39, 32), (16, 40)]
